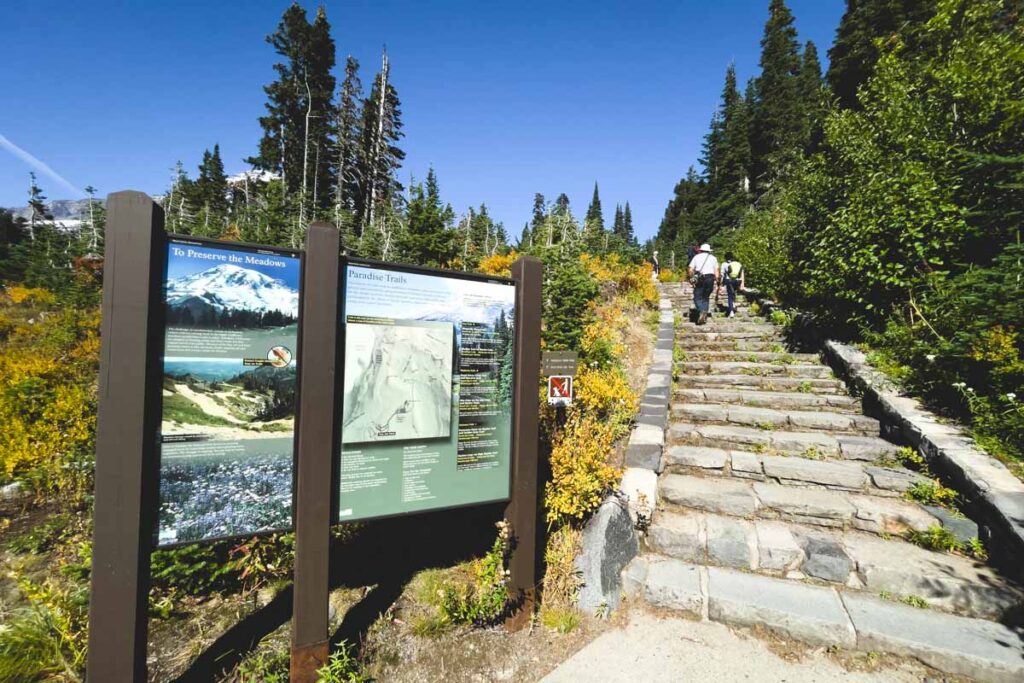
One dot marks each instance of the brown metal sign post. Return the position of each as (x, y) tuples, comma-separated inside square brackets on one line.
[(126, 439), (320, 338), (522, 509)]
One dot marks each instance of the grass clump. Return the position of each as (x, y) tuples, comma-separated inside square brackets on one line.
[(472, 593), (561, 581), (341, 667)]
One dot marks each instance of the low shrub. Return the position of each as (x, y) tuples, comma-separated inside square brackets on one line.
[(580, 473)]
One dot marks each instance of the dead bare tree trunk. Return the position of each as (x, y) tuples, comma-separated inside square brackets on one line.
[(378, 142), (305, 166)]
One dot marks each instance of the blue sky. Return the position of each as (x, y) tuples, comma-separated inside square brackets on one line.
[(503, 99)]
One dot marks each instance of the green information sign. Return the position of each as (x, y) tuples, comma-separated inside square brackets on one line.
[(427, 399)]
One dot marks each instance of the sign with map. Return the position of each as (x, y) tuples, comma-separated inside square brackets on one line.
[(427, 397), (229, 384)]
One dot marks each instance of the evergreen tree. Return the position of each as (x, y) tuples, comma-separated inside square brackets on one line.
[(727, 160), (627, 226), (348, 135), (13, 234), (38, 213), (853, 55), (778, 116), (678, 228), (593, 226), (562, 205), (297, 137), (539, 211), (812, 92), (525, 238), (617, 224), (210, 193), (429, 241), (595, 216), (380, 156)]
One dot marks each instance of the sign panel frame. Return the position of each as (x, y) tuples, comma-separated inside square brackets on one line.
[(211, 243), (347, 261)]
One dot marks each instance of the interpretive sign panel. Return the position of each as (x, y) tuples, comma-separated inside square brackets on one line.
[(427, 397), (229, 383)]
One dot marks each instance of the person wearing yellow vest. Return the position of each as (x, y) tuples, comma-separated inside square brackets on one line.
[(735, 280)]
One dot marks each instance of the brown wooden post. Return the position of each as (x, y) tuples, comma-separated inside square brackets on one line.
[(319, 338), (126, 438), (522, 509)]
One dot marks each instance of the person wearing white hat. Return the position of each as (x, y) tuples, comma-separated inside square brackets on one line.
[(705, 275)]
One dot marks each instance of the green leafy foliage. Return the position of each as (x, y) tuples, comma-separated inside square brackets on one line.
[(341, 667), (568, 291), (905, 228)]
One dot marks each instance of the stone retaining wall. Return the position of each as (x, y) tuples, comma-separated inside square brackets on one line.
[(995, 495), (609, 539)]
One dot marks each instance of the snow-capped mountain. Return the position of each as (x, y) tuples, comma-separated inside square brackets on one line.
[(230, 287)]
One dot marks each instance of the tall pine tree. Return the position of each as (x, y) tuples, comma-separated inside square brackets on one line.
[(348, 135), (813, 94), (595, 216), (297, 130), (778, 116), (853, 55)]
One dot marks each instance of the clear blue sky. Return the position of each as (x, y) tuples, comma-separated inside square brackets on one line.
[(503, 99)]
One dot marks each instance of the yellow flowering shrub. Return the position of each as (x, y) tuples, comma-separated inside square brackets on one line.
[(19, 295), (48, 366), (634, 282), (580, 473), (601, 342), (605, 395), (499, 265)]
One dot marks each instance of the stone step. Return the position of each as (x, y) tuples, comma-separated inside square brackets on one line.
[(816, 507), (721, 324), (774, 399), (756, 369), (773, 357), (811, 444), (814, 385), (689, 344), (824, 616), (688, 334), (771, 419), (844, 475), (853, 559)]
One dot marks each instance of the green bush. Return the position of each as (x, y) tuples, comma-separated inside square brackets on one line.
[(568, 291)]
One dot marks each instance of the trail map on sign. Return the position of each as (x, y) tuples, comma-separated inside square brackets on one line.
[(398, 380)]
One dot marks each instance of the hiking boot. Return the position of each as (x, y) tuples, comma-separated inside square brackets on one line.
[(732, 314), (702, 318)]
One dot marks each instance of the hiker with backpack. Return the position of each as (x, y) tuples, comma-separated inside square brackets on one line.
[(735, 279), (704, 275)]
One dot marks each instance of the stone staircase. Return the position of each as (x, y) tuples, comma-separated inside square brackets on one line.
[(770, 468)]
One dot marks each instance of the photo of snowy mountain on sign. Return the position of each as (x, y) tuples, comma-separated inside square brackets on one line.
[(230, 297), (229, 380)]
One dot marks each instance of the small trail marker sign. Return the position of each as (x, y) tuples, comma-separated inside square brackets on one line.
[(560, 390), (558, 363)]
